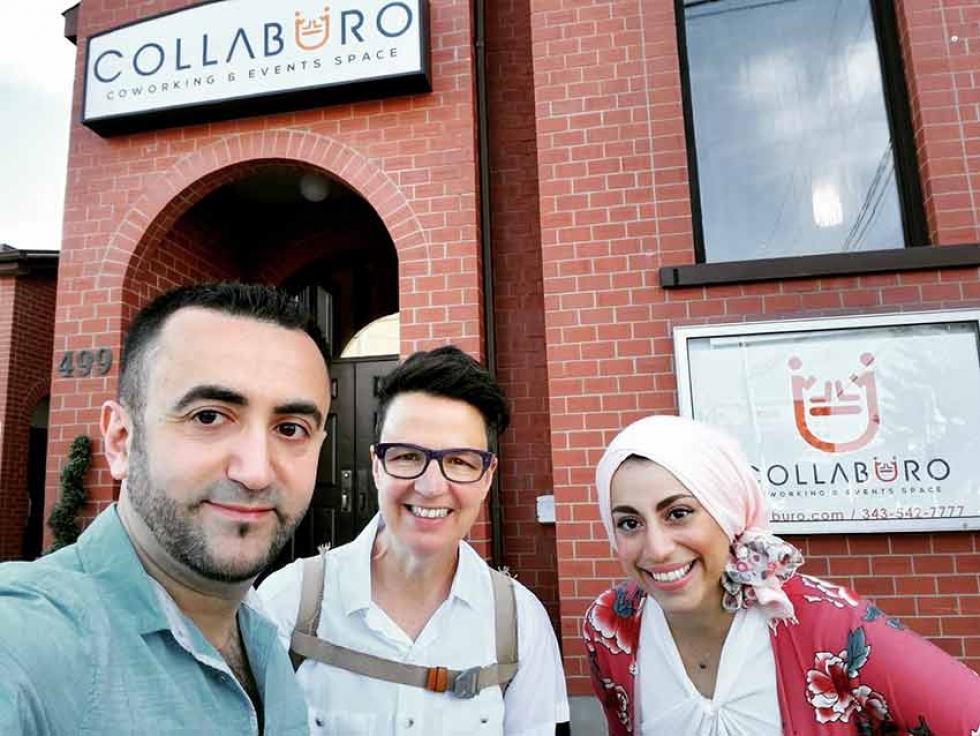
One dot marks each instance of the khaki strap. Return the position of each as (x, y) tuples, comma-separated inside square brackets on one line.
[(505, 617), (311, 599), (461, 683)]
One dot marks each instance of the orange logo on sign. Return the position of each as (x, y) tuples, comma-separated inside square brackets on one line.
[(314, 33), (830, 408)]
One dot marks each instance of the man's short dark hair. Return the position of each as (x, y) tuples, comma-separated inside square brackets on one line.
[(450, 373), (254, 301)]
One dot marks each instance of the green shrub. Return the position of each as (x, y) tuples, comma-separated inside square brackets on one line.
[(63, 520)]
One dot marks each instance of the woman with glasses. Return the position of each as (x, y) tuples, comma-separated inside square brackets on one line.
[(717, 634), (415, 634)]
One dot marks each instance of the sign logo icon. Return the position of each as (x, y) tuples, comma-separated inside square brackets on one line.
[(886, 472), (841, 417), (314, 33)]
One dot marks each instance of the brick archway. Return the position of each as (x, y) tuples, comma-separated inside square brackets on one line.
[(199, 173), (439, 292), (15, 489), (39, 390), (146, 224)]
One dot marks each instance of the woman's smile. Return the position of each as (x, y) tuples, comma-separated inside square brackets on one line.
[(428, 512), (672, 579)]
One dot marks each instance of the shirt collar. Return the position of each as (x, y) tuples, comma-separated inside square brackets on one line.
[(355, 580), (469, 582), (256, 630), (107, 554)]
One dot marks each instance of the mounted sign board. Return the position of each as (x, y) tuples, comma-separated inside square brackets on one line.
[(229, 58), (858, 424)]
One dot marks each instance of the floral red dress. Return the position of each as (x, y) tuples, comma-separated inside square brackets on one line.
[(843, 667)]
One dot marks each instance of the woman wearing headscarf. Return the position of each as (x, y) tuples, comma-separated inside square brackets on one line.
[(717, 634)]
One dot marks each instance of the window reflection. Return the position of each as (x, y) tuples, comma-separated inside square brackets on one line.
[(379, 337), (794, 150)]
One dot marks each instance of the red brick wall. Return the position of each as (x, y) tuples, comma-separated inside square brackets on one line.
[(944, 89), (525, 469), (13, 496), (412, 158), (26, 333), (189, 253), (615, 206)]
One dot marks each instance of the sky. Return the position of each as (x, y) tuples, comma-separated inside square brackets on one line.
[(37, 67)]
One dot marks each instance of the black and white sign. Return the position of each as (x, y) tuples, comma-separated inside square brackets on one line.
[(856, 424), (228, 58)]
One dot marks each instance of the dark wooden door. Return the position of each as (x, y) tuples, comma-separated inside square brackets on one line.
[(345, 498), (37, 452)]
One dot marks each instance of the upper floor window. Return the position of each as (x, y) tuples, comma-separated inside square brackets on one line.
[(798, 125)]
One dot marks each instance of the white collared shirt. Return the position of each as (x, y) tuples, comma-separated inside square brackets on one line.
[(744, 702), (459, 635)]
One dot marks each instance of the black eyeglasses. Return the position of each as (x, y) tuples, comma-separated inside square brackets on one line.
[(407, 462)]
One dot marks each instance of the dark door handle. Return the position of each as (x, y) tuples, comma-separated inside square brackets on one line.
[(362, 490), (346, 489)]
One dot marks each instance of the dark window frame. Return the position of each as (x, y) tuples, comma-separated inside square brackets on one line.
[(907, 176)]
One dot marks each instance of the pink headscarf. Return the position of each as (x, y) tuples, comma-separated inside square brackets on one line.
[(710, 464)]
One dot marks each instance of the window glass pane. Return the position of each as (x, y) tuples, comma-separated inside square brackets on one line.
[(377, 338), (793, 146)]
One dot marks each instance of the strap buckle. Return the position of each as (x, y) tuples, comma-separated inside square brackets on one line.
[(437, 679), (467, 683)]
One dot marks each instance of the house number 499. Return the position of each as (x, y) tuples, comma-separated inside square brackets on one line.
[(83, 363)]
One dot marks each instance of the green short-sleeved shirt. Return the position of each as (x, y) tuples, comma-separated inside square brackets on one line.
[(90, 644)]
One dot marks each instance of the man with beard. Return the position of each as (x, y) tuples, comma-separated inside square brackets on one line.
[(148, 624)]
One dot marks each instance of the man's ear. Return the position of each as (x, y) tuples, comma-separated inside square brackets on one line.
[(117, 432)]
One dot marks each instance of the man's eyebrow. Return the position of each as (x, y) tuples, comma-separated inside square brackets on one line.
[(303, 408), (210, 392)]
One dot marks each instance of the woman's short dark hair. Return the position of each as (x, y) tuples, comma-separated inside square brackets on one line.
[(450, 373), (254, 301)]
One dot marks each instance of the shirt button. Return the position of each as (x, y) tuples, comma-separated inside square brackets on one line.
[(318, 720), (409, 722), (484, 720)]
